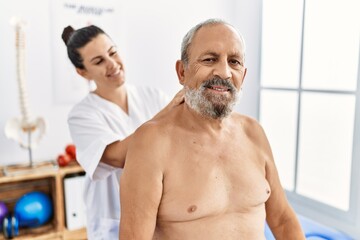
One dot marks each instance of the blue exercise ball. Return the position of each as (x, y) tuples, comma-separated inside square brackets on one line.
[(33, 209)]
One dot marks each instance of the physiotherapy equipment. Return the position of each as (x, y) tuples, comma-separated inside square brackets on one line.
[(31, 210)]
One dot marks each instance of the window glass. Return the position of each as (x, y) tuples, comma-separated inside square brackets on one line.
[(325, 147), (281, 43), (278, 115), (331, 44)]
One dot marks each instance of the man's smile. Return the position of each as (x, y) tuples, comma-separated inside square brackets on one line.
[(218, 88)]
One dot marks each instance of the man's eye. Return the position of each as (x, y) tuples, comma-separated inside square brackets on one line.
[(235, 62), (113, 53), (209, 60)]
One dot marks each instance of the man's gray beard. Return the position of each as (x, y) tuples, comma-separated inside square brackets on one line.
[(216, 106)]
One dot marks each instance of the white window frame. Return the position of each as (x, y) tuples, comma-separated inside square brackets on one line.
[(346, 221)]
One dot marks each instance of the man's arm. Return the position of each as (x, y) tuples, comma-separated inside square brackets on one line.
[(141, 186), (280, 217)]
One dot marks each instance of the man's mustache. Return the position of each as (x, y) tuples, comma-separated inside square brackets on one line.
[(219, 82)]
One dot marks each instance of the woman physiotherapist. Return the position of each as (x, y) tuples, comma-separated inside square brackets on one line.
[(101, 125)]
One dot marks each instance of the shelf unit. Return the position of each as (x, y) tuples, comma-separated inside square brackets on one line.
[(49, 181)]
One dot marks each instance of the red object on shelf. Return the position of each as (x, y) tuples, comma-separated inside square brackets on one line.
[(68, 156), (64, 159), (71, 151)]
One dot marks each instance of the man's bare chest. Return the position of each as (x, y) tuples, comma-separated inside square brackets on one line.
[(204, 181)]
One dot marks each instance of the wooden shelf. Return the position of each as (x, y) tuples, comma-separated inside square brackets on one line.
[(50, 181), (75, 234)]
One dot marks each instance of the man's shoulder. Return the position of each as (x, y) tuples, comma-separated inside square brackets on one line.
[(150, 144), (149, 131), (157, 127), (251, 127), (246, 121)]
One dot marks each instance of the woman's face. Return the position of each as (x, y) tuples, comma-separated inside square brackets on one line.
[(102, 63)]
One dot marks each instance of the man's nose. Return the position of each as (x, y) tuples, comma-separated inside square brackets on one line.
[(222, 70)]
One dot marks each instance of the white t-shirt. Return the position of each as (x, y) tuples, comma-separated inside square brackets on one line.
[(95, 123)]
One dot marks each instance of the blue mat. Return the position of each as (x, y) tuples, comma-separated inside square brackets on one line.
[(314, 231)]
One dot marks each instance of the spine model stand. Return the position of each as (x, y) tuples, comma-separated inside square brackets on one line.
[(25, 130)]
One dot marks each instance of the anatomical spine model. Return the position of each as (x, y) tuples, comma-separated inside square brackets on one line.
[(26, 130)]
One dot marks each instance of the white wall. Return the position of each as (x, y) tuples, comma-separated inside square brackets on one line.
[(247, 19), (154, 32), (38, 77), (149, 38)]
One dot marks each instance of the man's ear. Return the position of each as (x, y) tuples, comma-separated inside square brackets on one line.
[(180, 71), (83, 73)]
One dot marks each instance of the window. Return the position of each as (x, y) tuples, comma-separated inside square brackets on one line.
[(309, 104)]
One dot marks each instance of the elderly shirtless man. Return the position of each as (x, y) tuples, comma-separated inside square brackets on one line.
[(202, 171)]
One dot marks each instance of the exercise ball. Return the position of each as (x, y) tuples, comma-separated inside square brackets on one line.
[(33, 209)]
